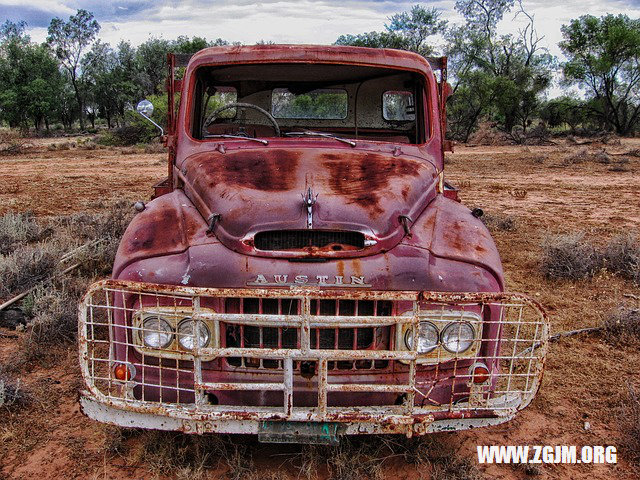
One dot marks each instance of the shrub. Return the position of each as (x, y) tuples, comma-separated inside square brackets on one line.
[(11, 394), (11, 143), (27, 266), (56, 314), (497, 222), (622, 256), (17, 229), (126, 136), (623, 327), (569, 256), (630, 419)]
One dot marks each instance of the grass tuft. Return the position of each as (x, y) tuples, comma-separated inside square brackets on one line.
[(622, 256), (569, 257), (623, 327)]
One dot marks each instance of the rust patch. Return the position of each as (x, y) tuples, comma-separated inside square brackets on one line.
[(269, 171), (405, 192), (363, 179), (159, 230)]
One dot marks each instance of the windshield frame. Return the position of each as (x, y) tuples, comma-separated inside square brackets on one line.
[(426, 103)]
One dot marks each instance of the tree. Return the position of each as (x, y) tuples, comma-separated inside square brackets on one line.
[(565, 110), (30, 81), (604, 57), (501, 76), (151, 60), (69, 40), (406, 31)]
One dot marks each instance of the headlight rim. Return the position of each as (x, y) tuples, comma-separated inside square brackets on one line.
[(180, 337), (408, 336), (170, 331), (451, 325)]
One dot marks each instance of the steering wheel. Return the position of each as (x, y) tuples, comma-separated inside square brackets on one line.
[(216, 112)]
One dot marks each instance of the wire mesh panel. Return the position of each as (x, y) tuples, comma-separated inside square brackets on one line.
[(310, 354)]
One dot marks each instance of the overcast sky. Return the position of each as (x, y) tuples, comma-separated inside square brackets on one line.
[(281, 21)]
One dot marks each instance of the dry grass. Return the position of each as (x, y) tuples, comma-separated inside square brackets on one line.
[(187, 456), (573, 257), (12, 143), (499, 222), (26, 267), (622, 256), (17, 229), (630, 425), (12, 395), (569, 257), (623, 327), (51, 308)]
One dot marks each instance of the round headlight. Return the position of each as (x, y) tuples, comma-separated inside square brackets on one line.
[(458, 337), (188, 333), (427, 337), (156, 332)]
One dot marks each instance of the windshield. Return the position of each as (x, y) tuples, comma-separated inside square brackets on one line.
[(340, 102)]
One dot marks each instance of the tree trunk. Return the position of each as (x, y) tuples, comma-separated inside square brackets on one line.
[(79, 100)]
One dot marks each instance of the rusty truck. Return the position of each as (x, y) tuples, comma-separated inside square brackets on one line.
[(305, 271)]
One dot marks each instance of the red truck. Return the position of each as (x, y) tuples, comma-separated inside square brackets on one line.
[(305, 272)]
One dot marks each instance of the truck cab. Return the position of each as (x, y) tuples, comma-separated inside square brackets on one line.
[(304, 272)]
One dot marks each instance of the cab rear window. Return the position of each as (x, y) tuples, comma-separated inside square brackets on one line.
[(322, 104)]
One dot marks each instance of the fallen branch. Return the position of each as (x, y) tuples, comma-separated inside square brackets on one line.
[(13, 300), (571, 333), (70, 254)]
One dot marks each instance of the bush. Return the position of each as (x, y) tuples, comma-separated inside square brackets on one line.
[(499, 222), (623, 327), (11, 143), (630, 420), (17, 229), (27, 266), (622, 256), (126, 136), (11, 395), (570, 257), (56, 314)]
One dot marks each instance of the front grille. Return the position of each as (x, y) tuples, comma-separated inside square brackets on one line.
[(356, 338), (299, 239)]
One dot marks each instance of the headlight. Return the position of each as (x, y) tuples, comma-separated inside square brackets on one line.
[(427, 337), (188, 333), (458, 337), (156, 332)]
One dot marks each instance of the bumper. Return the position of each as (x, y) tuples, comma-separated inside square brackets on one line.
[(433, 392), (215, 422)]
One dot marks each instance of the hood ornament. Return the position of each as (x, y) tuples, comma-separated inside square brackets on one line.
[(309, 201)]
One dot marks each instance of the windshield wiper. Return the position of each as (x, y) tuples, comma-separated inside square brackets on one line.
[(320, 134), (240, 137)]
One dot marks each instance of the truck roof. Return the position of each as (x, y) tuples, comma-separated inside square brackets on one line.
[(336, 54)]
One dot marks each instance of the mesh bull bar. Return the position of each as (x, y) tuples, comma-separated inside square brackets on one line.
[(107, 338)]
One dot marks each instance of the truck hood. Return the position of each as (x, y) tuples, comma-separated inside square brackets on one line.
[(249, 191)]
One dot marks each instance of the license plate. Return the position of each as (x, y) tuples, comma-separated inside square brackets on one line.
[(314, 433)]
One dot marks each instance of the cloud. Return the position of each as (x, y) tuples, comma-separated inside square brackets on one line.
[(35, 14), (285, 21)]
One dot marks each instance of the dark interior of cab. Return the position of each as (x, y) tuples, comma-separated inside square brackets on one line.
[(309, 100)]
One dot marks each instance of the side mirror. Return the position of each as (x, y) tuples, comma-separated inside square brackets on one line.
[(145, 108)]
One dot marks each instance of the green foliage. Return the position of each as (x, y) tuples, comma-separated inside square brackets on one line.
[(604, 57), (30, 82), (564, 111), (406, 31), (499, 76), (69, 40)]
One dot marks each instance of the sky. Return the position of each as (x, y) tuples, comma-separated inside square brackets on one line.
[(280, 21)]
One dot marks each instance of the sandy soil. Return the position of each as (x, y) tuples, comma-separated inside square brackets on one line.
[(585, 380)]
